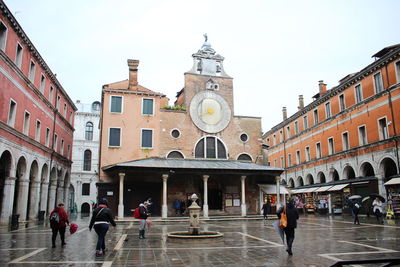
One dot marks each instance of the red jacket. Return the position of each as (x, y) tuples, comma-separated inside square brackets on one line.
[(63, 217)]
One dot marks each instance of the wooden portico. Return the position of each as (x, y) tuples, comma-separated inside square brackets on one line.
[(166, 179)]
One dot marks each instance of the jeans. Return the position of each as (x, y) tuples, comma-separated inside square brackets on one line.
[(101, 231), (142, 224), (62, 235)]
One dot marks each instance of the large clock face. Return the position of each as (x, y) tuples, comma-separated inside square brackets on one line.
[(210, 112)]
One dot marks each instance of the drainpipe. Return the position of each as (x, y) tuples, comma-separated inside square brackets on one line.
[(284, 154), (393, 120)]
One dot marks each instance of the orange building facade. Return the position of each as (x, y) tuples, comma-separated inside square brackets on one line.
[(346, 141), (198, 145)]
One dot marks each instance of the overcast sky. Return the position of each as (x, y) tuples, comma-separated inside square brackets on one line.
[(274, 50)]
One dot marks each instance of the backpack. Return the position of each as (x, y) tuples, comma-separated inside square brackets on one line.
[(54, 219), (136, 213)]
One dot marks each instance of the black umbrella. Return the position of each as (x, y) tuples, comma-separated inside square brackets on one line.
[(375, 195)]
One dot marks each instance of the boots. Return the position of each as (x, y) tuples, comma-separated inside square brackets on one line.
[(141, 234)]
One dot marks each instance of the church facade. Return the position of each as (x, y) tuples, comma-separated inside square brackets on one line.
[(198, 145)]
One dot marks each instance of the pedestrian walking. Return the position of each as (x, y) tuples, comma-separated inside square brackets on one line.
[(142, 217), (100, 221), (292, 216), (266, 208), (177, 206), (58, 223), (150, 207), (355, 209), (183, 206), (377, 209)]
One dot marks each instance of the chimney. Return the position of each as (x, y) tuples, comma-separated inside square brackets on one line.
[(322, 88), (78, 101), (301, 102), (284, 113), (133, 72)]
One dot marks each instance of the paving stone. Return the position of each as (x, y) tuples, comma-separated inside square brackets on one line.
[(319, 241)]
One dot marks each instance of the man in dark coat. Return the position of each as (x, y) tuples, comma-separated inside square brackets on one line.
[(266, 209), (60, 225), (292, 216), (143, 216)]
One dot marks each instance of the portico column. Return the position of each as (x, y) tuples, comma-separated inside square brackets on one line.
[(278, 192), (60, 193), (34, 200), (121, 195), (52, 196), (66, 198), (205, 197), (164, 203), (243, 206), (8, 199), (44, 191), (22, 198)]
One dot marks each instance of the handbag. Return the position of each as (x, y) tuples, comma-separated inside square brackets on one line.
[(283, 220)]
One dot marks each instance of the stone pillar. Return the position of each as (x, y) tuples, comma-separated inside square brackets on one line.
[(330, 210), (52, 197), (22, 198), (60, 193), (164, 201), (205, 197), (34, 200), (66, 198), (243, 206), (8, 200), (44, 192), (278, 192), (121, 195)]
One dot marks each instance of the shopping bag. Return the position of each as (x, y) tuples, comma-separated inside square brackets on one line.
[(72, 228), (149, 224), (283, 220)]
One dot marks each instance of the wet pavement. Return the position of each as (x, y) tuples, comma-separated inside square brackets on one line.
[(320, 241)]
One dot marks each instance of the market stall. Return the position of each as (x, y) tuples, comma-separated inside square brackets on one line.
[(393, 192), (268, 193), (337, 198), (323, 199)]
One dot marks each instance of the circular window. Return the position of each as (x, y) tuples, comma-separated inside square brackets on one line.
[(175, 133), (244, 137)]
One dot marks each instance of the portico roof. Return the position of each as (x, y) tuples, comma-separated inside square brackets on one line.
[(204, 165)]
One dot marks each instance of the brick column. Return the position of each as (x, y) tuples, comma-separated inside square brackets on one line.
[(121, 195), (205, 197), (243, 206), (164, 203)]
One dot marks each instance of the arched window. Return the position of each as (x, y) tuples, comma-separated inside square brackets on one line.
[(175, 155), (87, 160), (89, 131), (244, 157), (210, 147), (96, 106)]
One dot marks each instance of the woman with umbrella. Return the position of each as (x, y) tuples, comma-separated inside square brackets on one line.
[(377, 204)]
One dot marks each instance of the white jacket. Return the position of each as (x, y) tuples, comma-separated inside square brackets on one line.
[(377, 204)]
